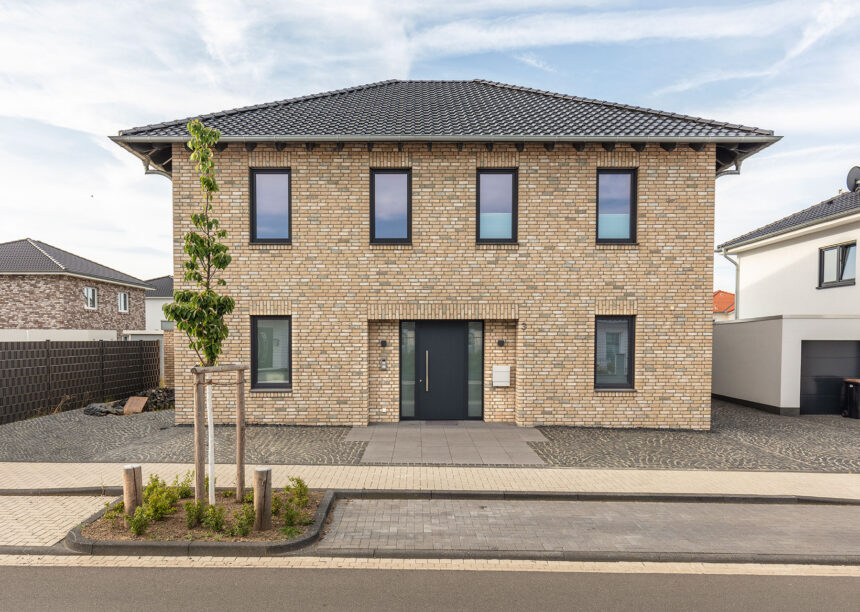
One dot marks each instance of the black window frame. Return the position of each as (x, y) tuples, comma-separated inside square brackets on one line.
[(631, 345), (514, 205), (258, 386), (252, 187), (841, 250), (373, 238), (634, 205)]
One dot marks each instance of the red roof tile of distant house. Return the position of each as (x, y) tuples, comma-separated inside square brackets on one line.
[(724, 301)]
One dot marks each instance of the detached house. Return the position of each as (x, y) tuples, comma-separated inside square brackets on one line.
[(461, 250), (47, 293)]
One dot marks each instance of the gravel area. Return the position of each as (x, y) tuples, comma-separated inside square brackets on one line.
[(151, 437), (741, 438)]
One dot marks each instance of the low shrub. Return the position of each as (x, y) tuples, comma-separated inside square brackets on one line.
[(298, 492), (249, 497), (183, 487), (277, 504), (139, 522), (193, 513), (114, 511), (213, 518), (290, 531), (244, 521)]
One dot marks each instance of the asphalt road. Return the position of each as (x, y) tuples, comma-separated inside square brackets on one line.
[(332, 589)]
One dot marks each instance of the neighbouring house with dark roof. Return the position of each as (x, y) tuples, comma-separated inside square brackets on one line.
[(160, 294), (724, 305), (461, 250), (798, 308), (47, 293)]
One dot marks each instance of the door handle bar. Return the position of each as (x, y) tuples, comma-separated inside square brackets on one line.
[(427, 371)]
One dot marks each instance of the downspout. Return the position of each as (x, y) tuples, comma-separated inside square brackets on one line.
[(737, 266)]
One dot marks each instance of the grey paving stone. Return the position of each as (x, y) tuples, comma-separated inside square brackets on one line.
[(595, 526)]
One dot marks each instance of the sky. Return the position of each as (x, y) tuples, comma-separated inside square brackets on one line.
[(73, 73)]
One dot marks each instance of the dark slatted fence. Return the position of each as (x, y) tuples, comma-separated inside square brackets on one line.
[(41, 377)]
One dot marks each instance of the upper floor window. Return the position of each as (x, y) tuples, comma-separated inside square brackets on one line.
[(837, 265), (613, 352), (122, 301), (497, 205), (271, 354), (270, 205), (391, 206), (91, 298), (616, 206)]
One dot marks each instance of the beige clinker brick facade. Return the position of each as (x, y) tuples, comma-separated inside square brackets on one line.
[(541, 295)]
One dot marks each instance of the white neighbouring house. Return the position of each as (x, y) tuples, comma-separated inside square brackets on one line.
[(160, 294), (797, 333)]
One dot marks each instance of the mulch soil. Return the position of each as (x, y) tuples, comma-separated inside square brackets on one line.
[(172, 528)]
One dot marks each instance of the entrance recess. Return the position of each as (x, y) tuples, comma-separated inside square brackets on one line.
[(441, 366)]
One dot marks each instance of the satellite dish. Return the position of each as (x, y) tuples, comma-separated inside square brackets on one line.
[(854, 178)]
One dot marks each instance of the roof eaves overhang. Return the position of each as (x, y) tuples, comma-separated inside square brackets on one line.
[(76, 275), (797, 231), (731, 150)]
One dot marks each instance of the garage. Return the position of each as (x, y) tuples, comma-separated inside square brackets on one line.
[(823, 365)]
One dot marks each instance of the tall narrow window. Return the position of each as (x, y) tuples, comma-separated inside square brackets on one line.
[(476, 369), (391, 206), (497, 205), (270, 205), (407, 369), (837, 265), (122, 301), (616, 206), (613, 352), (91, 298), (271, 353)]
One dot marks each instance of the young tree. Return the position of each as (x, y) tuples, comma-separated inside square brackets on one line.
[(200, 312)]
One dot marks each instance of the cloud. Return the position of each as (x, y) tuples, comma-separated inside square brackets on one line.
[(827, 19), (530, 59)]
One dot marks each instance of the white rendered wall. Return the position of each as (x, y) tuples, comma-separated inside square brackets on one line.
[(746, 360), (154, 314), (782, 278)]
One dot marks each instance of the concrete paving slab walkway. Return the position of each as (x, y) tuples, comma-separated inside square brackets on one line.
[(59, 475), (447, 443), (531, 526), (42, 521)]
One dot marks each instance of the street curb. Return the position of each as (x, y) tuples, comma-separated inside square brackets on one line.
[(67, 491), (76, 542)]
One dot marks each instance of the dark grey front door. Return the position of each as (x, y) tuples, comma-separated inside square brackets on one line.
[(440, 372)]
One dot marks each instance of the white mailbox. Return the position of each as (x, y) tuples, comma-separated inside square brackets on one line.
[(501, 376)]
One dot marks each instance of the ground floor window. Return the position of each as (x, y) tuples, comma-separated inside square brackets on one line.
[(613, 352), (407, 369), (476, 368), (271, 352)]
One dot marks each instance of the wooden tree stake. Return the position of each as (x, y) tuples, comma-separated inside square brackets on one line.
[(132, 488), (199, 437), (240, 434), (263, 498)]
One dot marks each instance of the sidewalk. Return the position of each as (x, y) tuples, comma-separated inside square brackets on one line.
[(22, 476)]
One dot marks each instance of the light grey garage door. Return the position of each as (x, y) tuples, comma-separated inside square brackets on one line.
[(823, 365)]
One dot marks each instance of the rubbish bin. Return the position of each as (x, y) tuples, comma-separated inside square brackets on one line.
[(851, 398)]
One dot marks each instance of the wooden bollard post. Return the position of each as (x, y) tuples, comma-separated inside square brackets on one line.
[(132, 488), (240, 434), (199, 440), (263, 498)]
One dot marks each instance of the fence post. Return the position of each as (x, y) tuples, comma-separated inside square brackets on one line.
[(102, 367), (263, 498), (240, 434), (132, 488), (50, 401)]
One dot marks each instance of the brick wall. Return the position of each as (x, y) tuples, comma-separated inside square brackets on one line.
[(45, 301), (552, 284), (169, 376)]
